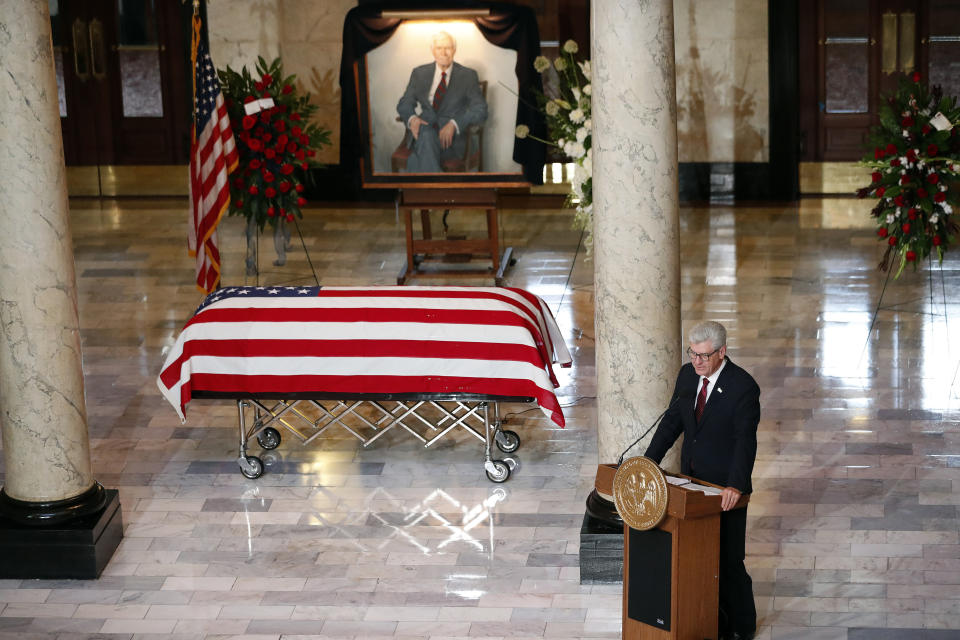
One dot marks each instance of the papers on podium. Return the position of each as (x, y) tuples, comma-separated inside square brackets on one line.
[(693, 486)]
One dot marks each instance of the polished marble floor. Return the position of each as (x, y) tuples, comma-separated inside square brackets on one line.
[(853, 528)]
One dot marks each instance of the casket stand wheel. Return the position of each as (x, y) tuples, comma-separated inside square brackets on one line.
[(269, 439), (508, 441), (497, 470), (251, 467)]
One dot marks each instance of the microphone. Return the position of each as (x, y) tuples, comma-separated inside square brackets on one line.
[(655, 423)]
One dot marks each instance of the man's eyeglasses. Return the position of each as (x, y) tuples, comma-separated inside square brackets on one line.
[(700, 356)]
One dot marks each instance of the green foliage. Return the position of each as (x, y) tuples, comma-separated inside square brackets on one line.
[(276, 144), (915, 166)]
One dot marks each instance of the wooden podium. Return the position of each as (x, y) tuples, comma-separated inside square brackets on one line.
[(671, 572)]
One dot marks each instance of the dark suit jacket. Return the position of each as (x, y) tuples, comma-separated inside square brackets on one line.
[(463, 101), (722, 448)]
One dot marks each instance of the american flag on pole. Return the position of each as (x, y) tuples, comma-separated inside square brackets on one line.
[(213, 155), (247, 341)]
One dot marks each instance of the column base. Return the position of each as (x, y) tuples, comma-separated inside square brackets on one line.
[(601, 542), (78, 548)]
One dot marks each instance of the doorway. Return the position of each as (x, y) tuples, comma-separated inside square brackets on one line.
[(854, 52), (122, 69)]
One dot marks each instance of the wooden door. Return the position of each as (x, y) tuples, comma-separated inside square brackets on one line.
[(863, 48), (121, 78)]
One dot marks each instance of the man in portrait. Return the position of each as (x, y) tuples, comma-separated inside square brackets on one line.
[(442, 100)]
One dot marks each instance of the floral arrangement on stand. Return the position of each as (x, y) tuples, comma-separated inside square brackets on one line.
[(570, 125), (276, 142), (915, 166)]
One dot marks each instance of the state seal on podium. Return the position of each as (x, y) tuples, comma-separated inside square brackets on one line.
[(640, 493)]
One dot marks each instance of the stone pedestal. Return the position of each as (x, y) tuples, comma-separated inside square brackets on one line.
[(48, 481), (636, 241)]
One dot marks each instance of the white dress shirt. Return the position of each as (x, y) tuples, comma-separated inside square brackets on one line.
[(710, 385)]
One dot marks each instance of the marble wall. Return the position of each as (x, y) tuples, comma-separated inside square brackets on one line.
[(722, 82), (305, 33)]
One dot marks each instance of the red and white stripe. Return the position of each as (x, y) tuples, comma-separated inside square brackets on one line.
[(380, 340), (213, 155)]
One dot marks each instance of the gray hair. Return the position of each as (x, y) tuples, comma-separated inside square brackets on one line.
[(442, 34), (709, 330)]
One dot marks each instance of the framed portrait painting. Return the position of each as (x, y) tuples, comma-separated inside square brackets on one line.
[(438, 96)]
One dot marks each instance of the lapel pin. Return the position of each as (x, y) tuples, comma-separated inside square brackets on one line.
[(719, 390)]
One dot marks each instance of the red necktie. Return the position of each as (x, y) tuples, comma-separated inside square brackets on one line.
[(701, 400), (441, 91)]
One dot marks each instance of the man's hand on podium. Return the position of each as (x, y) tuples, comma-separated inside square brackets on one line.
[(729, 498)]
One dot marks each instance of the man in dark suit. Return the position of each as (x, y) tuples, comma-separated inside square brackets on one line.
[(716, 406), (449, 98)]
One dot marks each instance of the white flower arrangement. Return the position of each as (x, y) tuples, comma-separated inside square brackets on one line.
[(570, 126)]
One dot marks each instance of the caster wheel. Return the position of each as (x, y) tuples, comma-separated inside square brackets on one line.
[(513, 463), (508, 441), (269, 438), (253, 469), (500, 471)]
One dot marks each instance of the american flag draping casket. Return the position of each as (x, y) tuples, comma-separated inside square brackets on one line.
[(248, 341)]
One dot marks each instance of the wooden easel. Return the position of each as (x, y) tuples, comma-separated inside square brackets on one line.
[(430, 249)]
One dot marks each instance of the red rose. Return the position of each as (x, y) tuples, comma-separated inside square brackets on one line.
[(253, 190), (921, 192), (283, 211), (282, 140), (286, 169), (281, 126), (292, 147), (878, 153), (925, 129), (239, 204), (933, 178), (882, 232), (904, 179), (891, 148), (269, 177), (899, 201), (300, 154), (301, 201), (266, 78), (255, 163), (906, 122), (296, 131), (284, 187), (916, 76), (311, 153), (911, 256), (295, 116), (249, 99), (932, 150), (254, 144), (264, 116), (876, 176), (304, 140), (287, 89), (304, 165), (270, 192), (936, 241), (270, 153), (912, 213), (940, 196), (265, 94), (248, 122), (911, 155), (892, 241), (906, 227), (880, 192), (271, 211), (289, 217), (299, 188), (895, 162)]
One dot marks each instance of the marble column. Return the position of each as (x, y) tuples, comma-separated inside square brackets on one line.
[(48, 480), (636, 243)]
